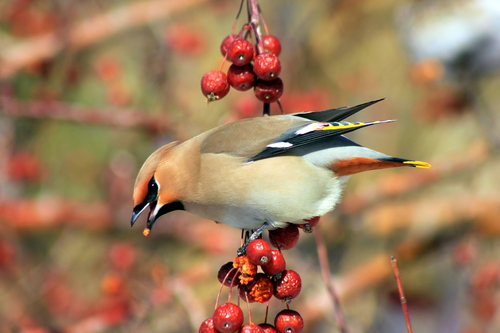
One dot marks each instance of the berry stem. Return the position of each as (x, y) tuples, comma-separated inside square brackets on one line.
[(253, 9), (267, 312), (266, 111), (248, 308), (404, 304), (325, 271)]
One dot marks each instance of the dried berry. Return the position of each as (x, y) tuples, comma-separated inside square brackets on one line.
[(241, 78), (228, 318), (214, 85), (284, 238), (207, 326), (272, 44), (247, 269), (228, 275), (289, 321), (226, 42), (240, 52), (276, 265), (268, 91), (261, 288), (251, 328), (268, 328), (288, 286), (267, 66), (259, 252)]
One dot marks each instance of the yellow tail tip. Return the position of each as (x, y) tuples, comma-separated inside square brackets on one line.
[(418, 164)]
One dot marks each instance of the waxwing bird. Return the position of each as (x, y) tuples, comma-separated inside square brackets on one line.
[(262, 172)]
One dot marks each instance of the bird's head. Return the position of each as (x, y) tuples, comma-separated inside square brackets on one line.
[(154, 189)]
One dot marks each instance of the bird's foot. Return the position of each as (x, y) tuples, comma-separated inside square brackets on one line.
[(256, 234)]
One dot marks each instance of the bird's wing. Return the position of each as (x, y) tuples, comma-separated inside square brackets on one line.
[(248, 137), (309, 134), (332, 115)]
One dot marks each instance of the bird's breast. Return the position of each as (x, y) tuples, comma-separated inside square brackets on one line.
[(278, 189)]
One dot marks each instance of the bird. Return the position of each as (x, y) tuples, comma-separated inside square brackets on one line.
[(259, 173)]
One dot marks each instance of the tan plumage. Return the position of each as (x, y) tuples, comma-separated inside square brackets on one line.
[(278, 169)]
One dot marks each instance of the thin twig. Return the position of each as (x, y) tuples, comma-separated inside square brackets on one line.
[(404, 304), (325, 271), (114, 117)]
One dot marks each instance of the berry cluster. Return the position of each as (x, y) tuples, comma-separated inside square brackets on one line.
[(253, 286), (254, 65)]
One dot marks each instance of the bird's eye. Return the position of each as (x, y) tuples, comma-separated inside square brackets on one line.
[(152, 190)]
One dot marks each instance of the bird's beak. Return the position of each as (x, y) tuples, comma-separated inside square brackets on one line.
[(155, 212), (140, 208)]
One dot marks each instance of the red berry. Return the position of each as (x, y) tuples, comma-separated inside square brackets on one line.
[(267, 66), (240, 52), (276, 265), (245, 294), (268, 328), (228, 275), (214, 85), (251, 328), (272, 44), (226, 42), (207, 326), (241, 78), (289, 321), (288, 286), (228, 318), (309, 224), (284, 238), (268, 91), (259, 252)]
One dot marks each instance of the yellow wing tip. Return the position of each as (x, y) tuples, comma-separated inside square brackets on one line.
[(418, 164)]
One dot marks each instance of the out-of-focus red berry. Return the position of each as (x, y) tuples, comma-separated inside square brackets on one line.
[(268, 91), (268, 328), (123, 256), (228, 275), (241, 78), (214, 85), (276, 265), (24, 166), (7, 254), (284, 238), (288, 286), (289, 321), (251, 328), (259, 252), (113, 284), (207, 326), (184, 40), (267, 66), (224, 46), (272, 44), (240, 52), (228, 318)]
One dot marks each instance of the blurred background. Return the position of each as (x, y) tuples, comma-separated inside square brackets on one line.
[(88, 89)]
